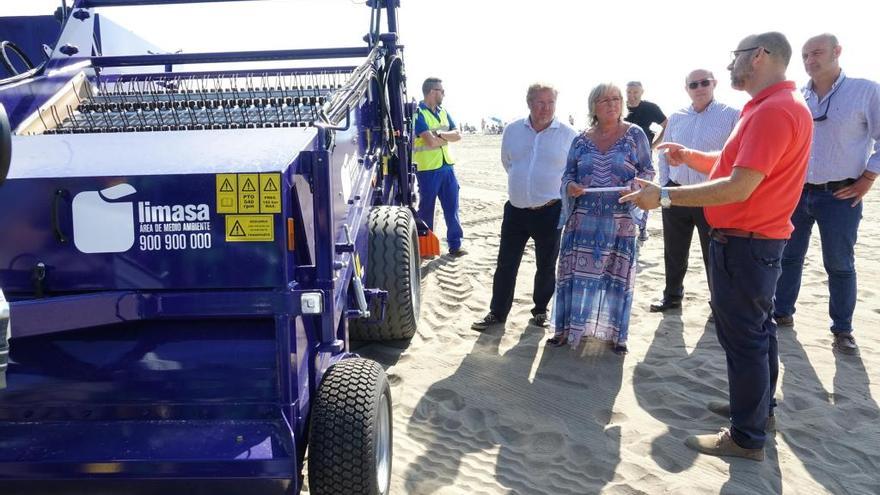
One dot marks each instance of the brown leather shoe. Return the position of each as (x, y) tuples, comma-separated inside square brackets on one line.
[(784, 320), (845, 343), (722, 444), (722, 409)]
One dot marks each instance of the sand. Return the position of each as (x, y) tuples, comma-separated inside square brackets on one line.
[(498, 412)]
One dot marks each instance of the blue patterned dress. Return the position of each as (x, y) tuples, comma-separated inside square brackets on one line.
[(597, 258)]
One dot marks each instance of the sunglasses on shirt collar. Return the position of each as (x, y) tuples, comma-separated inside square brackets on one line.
[(703, 82)]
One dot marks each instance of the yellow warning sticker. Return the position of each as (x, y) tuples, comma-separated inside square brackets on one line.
[(248, 195), (250, 228), (227, 193), (270, 193)]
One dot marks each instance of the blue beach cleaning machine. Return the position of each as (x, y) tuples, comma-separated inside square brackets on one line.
[(186, 253)]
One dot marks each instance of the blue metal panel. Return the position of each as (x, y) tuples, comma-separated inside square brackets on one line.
[(166, 234), (30, 33)]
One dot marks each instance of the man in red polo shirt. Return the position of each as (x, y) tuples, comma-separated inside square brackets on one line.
[(753, 188)]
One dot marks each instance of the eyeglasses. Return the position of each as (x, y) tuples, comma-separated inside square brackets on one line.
[(441, 90), (613, 99), (734, 54), (824, 116), (703, 82)]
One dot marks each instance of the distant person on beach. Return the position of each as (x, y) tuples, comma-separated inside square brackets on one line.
[(703, 126), (533, 153), (643, 113), (844, 163), (754, 185), (597, 263), (434, 130)]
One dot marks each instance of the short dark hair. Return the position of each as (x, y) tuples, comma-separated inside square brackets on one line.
[(777, 44), (429, 84)]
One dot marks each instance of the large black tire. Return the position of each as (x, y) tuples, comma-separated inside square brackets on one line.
[(350, 435), (393, 265)]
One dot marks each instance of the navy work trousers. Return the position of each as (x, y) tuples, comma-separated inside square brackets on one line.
[(443, 184), (744, 272)]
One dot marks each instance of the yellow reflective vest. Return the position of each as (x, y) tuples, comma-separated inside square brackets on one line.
[(432, 158)]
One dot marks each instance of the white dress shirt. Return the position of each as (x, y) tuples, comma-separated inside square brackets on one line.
[(704, 131), (848, 141), (535, 161)]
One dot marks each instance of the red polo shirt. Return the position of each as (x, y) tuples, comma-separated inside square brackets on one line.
[(773, 137)]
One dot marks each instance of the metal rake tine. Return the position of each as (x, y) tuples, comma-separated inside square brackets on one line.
[(55, 116), (70, 115), (40, 114)]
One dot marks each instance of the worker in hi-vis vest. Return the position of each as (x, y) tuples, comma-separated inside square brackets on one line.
[(434, 131)]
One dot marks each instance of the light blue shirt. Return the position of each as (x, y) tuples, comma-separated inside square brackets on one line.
[(535, 161), (848, 142), (704, 131)]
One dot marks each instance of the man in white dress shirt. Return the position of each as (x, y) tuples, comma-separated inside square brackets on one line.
[(704, 126), (533, 152)]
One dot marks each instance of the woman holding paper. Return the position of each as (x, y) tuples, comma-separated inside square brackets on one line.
[(597, 259)]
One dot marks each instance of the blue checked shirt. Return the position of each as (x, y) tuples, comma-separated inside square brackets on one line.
[(704, 131), (848, 141)]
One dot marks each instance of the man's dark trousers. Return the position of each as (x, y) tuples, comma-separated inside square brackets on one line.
[(517, 226), (678, 231), (744, 272)]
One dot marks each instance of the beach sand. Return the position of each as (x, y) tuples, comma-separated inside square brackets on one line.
[(498, 412)]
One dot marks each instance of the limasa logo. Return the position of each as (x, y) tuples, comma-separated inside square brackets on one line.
[(101, 224)]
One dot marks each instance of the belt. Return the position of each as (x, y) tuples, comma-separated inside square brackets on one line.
[(548, 203), (721, 235), (829, 186)]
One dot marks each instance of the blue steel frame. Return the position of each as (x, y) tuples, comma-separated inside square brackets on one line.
[(306, 344)]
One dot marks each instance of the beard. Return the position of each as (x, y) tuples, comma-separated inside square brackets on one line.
[(738, 78)]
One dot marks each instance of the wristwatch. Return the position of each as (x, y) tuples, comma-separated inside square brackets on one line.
[(665, 200)]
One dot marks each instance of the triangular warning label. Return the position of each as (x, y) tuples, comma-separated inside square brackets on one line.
[(226, 187), (237, 231), (248, 186), (270, 186)]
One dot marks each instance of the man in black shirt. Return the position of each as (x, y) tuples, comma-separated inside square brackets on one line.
[(643, 113)]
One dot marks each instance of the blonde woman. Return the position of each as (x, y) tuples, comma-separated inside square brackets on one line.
[(597, 260)]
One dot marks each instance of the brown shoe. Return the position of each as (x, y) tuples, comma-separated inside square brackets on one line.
[(844, 343), (722, 409), (784, 320), (722, 444)]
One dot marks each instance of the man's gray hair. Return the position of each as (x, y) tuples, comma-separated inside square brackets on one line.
[(707, 71), (777, 44), (596, 95), (429, 84), (832, 40), (637, 84), (540, 86)]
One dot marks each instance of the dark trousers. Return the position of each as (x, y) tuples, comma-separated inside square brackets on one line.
[(678, 231), (838, 230), (442, 184), (517, 226), (743, 280)]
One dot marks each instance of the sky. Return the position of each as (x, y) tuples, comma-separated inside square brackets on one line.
[(489, 51)]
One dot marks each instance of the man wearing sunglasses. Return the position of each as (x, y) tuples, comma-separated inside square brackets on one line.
[(753, 188), (434, 130), (703, 126), (843, 165)]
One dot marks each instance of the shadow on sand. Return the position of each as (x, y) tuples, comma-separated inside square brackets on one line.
[(491, 402)]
